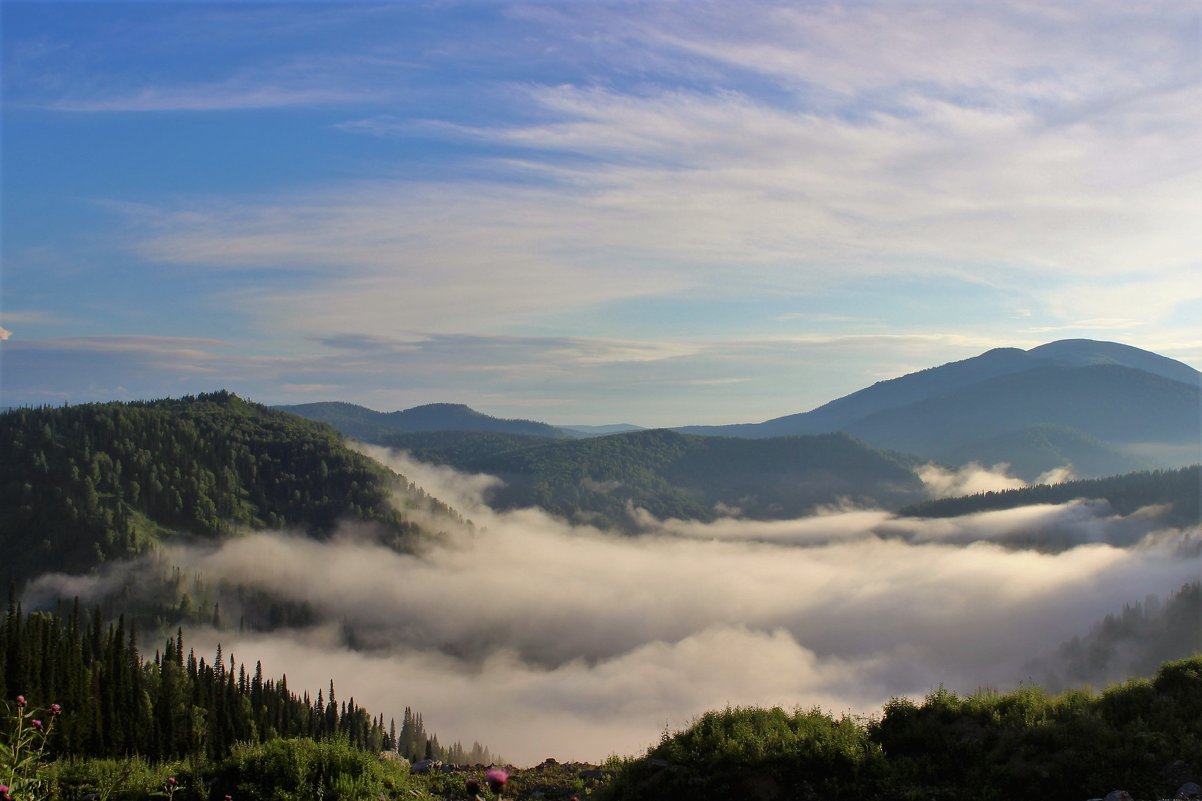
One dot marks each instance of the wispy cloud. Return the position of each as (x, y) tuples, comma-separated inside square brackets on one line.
[(699, 173)]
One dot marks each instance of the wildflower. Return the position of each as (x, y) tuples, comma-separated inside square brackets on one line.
[(497, 779), (4, 793), (37, 724), (229, 797), (473, 787), (171, 781), (21, 702), (56, 710)]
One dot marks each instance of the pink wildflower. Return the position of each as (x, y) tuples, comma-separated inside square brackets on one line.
[(473, 787), (4, 793), (56, 710), (21, 702), (37, 724), (171, 781), (497, 778)]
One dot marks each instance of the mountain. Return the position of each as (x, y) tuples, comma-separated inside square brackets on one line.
[(1086, 352), (81, 485), (1100, 407), (1113, 404), (602, 479), (365, 424)]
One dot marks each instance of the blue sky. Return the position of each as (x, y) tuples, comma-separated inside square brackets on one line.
[(660, 213)]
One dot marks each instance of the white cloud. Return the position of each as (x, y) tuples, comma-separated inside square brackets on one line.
[(542, 639), (969, 479), (982, 168)]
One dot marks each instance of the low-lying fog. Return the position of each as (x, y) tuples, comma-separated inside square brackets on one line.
[(542, 639)]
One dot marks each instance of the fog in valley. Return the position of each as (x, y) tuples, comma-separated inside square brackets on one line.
[(544, 639)]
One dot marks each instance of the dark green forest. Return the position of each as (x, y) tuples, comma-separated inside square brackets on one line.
[(671, 475), (82, 485), (1177, 491), (119, 701)]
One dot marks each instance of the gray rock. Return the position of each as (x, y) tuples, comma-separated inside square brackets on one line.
[(1119, 795), (1189, 790)]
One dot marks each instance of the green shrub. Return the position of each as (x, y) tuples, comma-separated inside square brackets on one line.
[(285, 770)]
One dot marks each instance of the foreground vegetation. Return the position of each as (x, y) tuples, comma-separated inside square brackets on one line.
[(1143, 736), (176, 706)]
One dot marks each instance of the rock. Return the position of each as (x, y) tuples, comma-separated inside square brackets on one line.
[(1119, 795), (1189, 791)]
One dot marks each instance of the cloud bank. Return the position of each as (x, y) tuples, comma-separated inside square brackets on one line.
[(542, 639)]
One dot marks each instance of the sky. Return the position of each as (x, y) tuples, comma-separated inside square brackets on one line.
[(658, 213), (541, 639)]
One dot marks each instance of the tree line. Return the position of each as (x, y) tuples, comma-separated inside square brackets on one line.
[(116, 702)]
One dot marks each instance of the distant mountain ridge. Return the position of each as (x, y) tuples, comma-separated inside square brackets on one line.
[(1100, 408), (359, 422), (948, 378), (1112, 407)]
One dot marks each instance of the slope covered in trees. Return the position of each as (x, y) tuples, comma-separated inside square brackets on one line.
[(80, 485), (1176, 492), (117, 701), (673, 475), (1134, 641)]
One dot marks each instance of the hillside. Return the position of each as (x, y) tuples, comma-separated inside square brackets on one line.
[(1099, 407), (668, 474), (1175, 492), (1116, 405), (80, 485), (365, 424)]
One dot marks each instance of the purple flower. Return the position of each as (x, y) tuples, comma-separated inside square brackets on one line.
[(56, 710), (171, 781), (496, 778), (21, 702), (37, 724), (4, 793)]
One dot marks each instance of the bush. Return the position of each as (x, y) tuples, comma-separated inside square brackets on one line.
[(284, 770)]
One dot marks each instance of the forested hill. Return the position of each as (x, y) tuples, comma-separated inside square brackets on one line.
[(1177, 490), (668, 474), (83, 484)]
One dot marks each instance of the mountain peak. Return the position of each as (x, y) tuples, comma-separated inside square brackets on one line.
[(1089, 352)]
